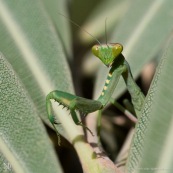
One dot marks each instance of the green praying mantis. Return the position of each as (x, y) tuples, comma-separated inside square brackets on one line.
[(111, 56)]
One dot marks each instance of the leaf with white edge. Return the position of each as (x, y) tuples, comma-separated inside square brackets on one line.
[(152, 144), (23, 140)]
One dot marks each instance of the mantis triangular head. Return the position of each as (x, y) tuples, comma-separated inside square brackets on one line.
[(107, 53)]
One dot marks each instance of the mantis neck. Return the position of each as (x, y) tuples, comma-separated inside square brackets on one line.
[(115, 72)]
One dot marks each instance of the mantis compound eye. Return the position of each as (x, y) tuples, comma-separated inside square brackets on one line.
[(117, 48), (95, 50)]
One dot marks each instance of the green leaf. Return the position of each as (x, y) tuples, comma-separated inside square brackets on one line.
[(61, 25), (152, 144), (142, 32), (31, 45), (23, 139)]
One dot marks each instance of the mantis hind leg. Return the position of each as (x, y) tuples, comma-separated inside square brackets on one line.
[(85, 106), (78, 122)]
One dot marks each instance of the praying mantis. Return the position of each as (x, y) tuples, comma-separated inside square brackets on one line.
[(111, 56)]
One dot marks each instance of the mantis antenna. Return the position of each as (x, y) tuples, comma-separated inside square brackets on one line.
[(106, 31), (81, 29)]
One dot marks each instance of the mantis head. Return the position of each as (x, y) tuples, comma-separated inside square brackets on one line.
[(107, 53)]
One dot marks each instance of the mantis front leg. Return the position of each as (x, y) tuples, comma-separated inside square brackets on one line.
[(72, 103)]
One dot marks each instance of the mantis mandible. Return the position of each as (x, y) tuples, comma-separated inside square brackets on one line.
[(111, 55)]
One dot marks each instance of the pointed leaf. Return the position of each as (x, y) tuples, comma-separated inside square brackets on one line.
[(62, 25), (152, 144), (23, 139)]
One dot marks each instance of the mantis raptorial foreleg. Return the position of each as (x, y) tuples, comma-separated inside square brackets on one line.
[(72, 103), (110, 55)]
